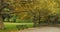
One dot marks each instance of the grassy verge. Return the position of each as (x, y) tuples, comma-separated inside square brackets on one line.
[(12, 26)]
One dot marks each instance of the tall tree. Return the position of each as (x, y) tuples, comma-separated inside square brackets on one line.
[(1, 21)]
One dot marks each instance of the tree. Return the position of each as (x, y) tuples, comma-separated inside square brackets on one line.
[(39, 9), (1, 21), (3, 6)]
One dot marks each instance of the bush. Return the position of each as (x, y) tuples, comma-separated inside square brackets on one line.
[(24, 21), (21, 27)]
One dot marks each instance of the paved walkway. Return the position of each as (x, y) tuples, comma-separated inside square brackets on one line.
[(42, 29)]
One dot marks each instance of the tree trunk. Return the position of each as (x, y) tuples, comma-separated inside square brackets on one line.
[(39, 19), (1, 23), (34, 20)]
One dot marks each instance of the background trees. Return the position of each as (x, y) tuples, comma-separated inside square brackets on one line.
[(38, 10)]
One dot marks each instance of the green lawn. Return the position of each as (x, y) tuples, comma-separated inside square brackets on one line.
[(17, 23), (12, 26)]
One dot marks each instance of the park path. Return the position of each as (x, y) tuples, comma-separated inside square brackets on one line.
[(42, 29)]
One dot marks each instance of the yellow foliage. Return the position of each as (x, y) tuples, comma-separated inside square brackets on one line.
[(50, 5)]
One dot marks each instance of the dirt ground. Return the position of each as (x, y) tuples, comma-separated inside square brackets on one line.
[(42, 29)]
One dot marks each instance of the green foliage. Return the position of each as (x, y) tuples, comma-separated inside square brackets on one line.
[(24, 21), (21, 27)]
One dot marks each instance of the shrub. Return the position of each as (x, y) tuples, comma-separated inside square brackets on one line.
[(21, 27)]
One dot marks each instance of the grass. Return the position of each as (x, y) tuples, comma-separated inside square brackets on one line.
[(12, 26), (17, 23)]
